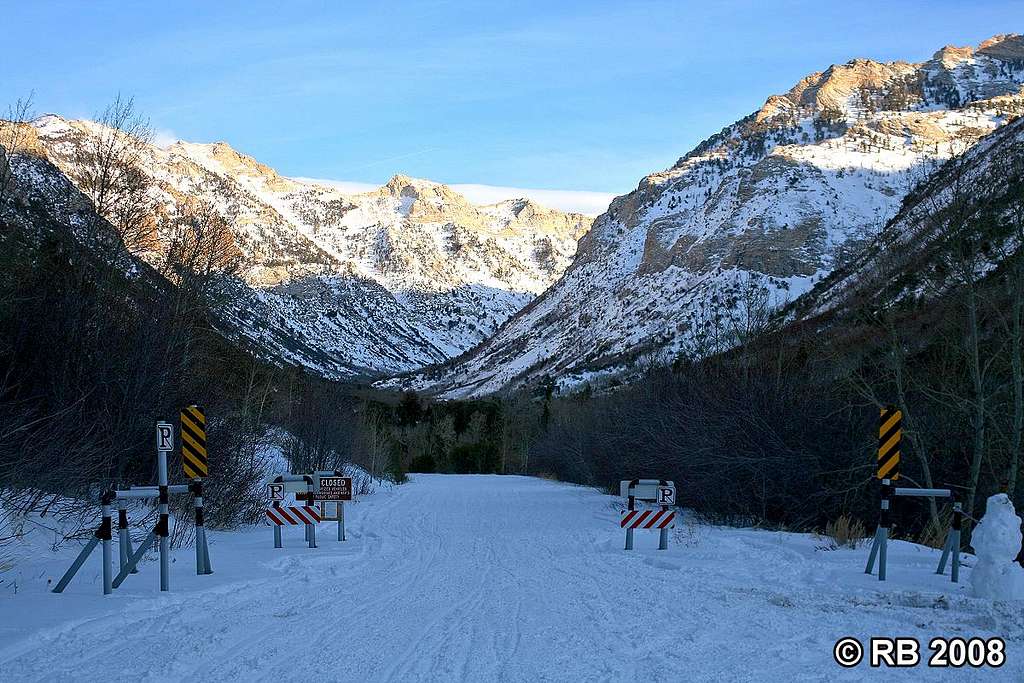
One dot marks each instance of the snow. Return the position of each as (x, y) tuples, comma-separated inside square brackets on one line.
[(482, 578), (996, 542)]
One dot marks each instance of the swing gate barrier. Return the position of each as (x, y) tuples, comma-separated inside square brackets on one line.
[(194, 464), (322, 486), (889, 438)]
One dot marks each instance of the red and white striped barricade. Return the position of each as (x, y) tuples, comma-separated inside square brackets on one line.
[(660, 491), (648, 519), (293, 515)]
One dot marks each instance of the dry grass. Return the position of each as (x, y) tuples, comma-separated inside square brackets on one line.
[(844, 532)]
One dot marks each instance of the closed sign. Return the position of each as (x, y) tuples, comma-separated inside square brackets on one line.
[(335, 488)]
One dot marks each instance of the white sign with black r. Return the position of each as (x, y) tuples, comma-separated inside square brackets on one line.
[(666, 495), (164, 437)]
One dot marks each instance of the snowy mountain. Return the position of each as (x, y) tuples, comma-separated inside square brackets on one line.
[(348, 284), (966, 214), (753, 217)]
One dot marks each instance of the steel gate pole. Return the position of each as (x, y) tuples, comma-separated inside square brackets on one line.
[(162, 529), (202, 551), (663, 535), (277, 528), (631, 499), (310, 527), (105, 539)]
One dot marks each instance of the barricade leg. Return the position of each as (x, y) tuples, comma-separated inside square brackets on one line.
[(77, 564), (629, 539), (341, 521), (134, 560), (882, 552), (941, 569), (277, 536), (207, 569), (954, 547), (870, 568)]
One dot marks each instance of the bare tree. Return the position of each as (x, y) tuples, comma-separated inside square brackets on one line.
[(14, 136), (108, 165)]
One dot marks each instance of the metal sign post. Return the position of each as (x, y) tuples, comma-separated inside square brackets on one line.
[(164, 445), (335, 488)]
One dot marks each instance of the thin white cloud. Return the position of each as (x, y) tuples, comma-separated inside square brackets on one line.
[(164, 137), (578, 201), (343, 185)]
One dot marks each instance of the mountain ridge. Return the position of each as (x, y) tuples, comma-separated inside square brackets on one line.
[(749, 219), (377, 282)]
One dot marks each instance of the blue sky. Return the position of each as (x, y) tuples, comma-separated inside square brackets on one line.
[(578, 96)]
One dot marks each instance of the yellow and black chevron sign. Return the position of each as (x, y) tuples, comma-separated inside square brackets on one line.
[(193, 442), (890, 430)]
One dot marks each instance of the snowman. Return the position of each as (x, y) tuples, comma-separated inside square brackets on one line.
[(996, 540)]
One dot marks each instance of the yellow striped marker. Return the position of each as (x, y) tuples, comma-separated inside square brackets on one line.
[(890, 431), (193, 442)]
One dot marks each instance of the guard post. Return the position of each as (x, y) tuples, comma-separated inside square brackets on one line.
[(890, 434), (164, 445)]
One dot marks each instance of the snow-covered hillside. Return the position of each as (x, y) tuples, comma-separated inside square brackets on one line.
[(749, 220), (350, 284), (494, 578)]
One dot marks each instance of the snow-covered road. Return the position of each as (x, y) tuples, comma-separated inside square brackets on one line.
[(481, 578)]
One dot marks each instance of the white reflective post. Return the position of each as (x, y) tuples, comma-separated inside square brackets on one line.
[(107, 577), (165, 443)]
